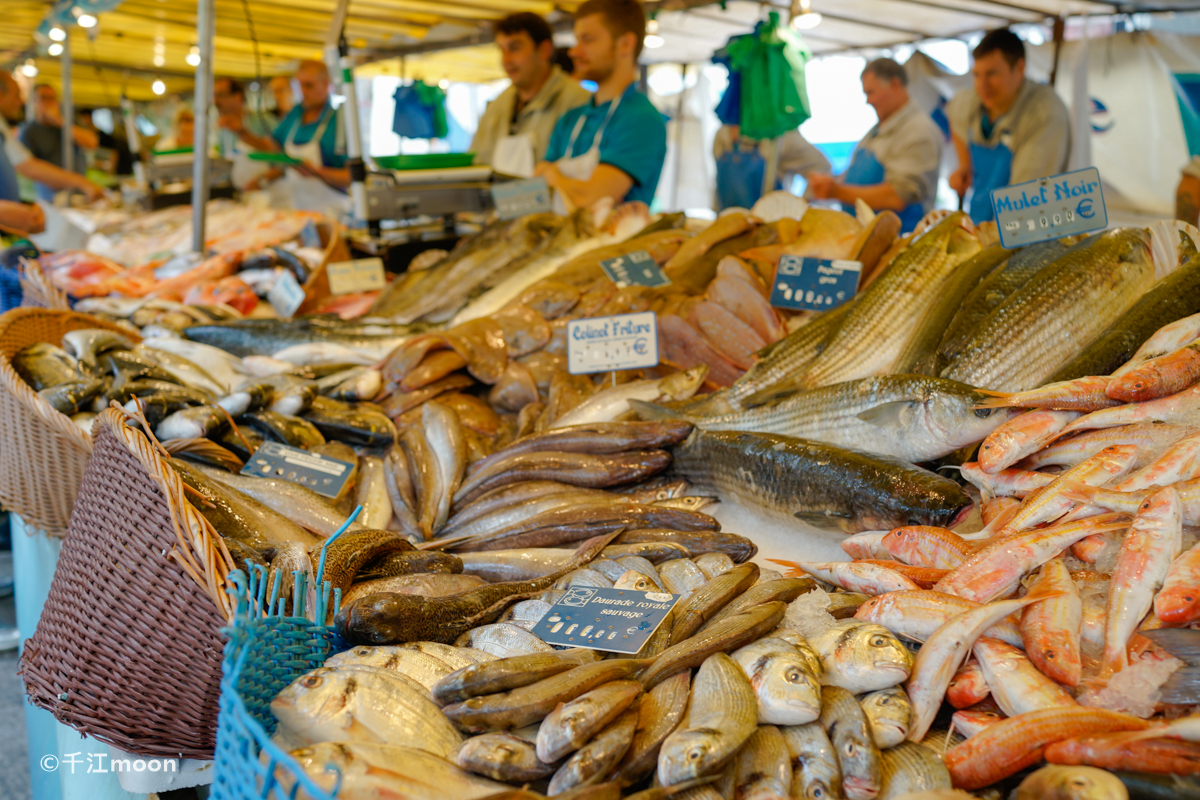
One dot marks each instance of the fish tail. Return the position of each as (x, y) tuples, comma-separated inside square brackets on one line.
[(997, 399), (1078, 490), (794, 570)]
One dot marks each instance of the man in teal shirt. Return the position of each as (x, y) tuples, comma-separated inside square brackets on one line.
[(614, 145)]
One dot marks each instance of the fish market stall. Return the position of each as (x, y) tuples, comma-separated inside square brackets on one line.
[(938, 536)]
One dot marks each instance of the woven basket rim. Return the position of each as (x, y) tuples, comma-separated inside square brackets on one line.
[(200, 550)]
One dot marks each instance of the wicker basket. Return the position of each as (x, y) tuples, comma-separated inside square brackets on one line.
[(128, 649), (42, 453), (264, 654)]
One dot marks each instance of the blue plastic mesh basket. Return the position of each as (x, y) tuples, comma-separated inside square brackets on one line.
[(264, 653)]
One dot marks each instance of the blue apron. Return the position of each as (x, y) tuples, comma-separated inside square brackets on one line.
[(991, 168), (740, 173), (9, 189), (865, 170)]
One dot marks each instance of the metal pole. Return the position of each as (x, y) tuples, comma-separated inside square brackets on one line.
[(204, 82), (337, 51), (68, 108)]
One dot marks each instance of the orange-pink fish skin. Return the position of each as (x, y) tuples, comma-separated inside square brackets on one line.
[(1051, 628)]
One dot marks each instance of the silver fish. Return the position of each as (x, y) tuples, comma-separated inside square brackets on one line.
[(889, 713), (788, 692), (721, 717), (862, 657)]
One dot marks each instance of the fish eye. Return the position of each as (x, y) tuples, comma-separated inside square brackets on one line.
[(362, 650), (878, 640), (792, 676), (817, 793), (1049, 654), (883, 701), (851, 749), (983, 413), (695, 754), (311, 681), (1188, 598)]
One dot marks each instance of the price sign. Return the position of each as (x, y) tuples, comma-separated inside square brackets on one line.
[(286, 296), (814, 284), (325, 476), (634, 269), (611, 620), (517, 198), (603, 344), (1050, 208), (360, 275)]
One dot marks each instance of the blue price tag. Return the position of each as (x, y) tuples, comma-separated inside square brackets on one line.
[(325, 476), (611, 620), (309, 236), (1050, 208), (634, 269), (517, 198), (603, 344), (814, 284)]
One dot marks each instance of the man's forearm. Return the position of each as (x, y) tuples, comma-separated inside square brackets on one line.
[(88, 140), (1187, 199), (879, 196), (336, 176), (266, 144), (40, 171)]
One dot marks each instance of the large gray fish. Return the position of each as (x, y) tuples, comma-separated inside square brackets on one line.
[(817, 483), (995, 289), (368, 704), (721, 717), (1065, 308), (1174, 297), (886, 314), (257, 337), (912, 417)]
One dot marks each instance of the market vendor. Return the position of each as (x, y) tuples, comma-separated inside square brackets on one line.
[(1187, 194), (614, 145), (16, 158), (43, 136), (895, 166), (229, 96), (515, 129), (1007, 129), (312, 133), (281, 90)]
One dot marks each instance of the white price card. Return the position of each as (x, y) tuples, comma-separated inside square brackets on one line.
[(1050, 208), (603, 344), (351, 277), (286, 296)]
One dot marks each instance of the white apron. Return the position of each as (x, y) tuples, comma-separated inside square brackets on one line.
[(303, 192), (580, 168), (513, 155)]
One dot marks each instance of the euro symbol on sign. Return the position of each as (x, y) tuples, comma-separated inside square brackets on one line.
[(1084, 209), (640, 347)]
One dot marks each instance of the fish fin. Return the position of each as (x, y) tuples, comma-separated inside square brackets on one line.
[(654, 411), (769, 395), (1077, 490), (820, 519), (1183, 643), (794, 570), (995, 399), (885, 415)]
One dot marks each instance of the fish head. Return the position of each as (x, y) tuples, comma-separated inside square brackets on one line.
[(859, 760), (889, 710), (952, 412), (634, 581), (787, 690), (1074, 782), (376, 619), (315, 701), (682, 385), (689, 754), (327, 764), (1178, 604), (866, 657)]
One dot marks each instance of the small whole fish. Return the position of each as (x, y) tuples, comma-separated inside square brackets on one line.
[(763, 768), (1051, 629), (365, 769), (502, 757), (911, 767), (927, 546), (1016, 684), (660, 711), (1120, 751), (1022, 436), (850, 733), (915, 615), (1054, 782), (593, 762), (725, 636), (968, 686), (570, 726), (502, 640), (1081, 394), (1178, 601), (610, 404), (721, 717), (816, 774), (855, 576), (861, 656), (889, 713), (424, 668), (786, 687), (472, 679)]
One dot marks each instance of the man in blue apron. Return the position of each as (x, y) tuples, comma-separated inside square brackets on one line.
[(229, 96), (1007, 129), (614, 145), (895, 166), (515, 129), (12, 110), (311, 133)]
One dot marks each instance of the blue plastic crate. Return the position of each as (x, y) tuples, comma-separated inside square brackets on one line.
[(263, 654)]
